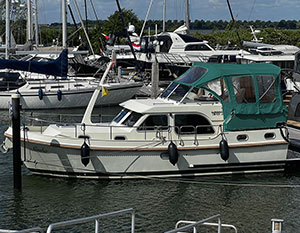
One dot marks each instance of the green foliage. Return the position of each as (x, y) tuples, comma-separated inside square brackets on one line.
[(114, 23), (269, 36)]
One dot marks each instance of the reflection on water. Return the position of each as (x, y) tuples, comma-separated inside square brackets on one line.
[(247, 201)]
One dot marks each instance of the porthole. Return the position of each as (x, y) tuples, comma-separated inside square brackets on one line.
[(269, 136), (242, 137), (119, 138)]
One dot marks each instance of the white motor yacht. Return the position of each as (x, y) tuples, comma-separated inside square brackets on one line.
[(214, 119)]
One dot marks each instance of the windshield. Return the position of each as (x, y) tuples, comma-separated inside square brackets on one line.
[(175, 91), (132, 119), (120, 116)]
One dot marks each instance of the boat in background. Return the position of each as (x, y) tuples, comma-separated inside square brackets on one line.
[(215, 119), (47, 85)]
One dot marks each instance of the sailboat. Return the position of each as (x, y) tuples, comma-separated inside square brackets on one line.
[(47, 86)]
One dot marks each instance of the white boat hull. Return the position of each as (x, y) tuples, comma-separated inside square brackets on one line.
[(123, 159), (70, 98)]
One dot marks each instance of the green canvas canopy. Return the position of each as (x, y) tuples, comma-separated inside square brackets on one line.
[(250, 93)]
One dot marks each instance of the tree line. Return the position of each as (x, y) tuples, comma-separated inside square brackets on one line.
[(220, 31)]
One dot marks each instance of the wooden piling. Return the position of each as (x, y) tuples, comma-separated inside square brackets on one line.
[(154, 78), (17, 163)]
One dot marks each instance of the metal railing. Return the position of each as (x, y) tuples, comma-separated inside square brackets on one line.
[(193, 225), (72, 222), (163, 133), (93, 218), (173, 58), (207, 224)]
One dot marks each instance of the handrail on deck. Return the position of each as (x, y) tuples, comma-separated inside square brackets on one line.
[(160, 132), (193, 225), (93, 218)]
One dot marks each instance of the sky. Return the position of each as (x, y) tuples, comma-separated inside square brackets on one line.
[(274, 10)]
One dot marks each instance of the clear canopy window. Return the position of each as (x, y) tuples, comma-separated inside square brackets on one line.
[(244, 89), (266, 89), (219, 87), (192, 75)]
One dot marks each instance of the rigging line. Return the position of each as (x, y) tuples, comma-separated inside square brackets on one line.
[(100, 28), (251, 9), (266, 185)]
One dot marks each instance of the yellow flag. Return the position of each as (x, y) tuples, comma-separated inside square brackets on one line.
[(104, 91)]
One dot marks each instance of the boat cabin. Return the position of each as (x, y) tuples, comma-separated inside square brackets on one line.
[(239, 97)]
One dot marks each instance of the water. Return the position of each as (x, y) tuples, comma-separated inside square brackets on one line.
[(247, 201)]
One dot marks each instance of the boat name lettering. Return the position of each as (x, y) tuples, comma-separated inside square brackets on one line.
[(216, 113)]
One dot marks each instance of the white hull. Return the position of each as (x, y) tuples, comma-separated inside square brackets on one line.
[(73, 98), (138, 158)]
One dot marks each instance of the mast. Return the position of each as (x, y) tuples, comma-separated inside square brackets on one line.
[(7, 29), (64, 23), (29, 20), (164, 16), (36, 24), (233, 23), (187, 15)]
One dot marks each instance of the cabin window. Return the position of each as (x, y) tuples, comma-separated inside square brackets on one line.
[(191, 75), (120, 116), (192, 124), (166, 45), (219, 87), (187, 38), (197, 47), (35, 88), (57, 86), (155, 122), (266, 89), (244, 89), (78, 85), (132, 119)]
